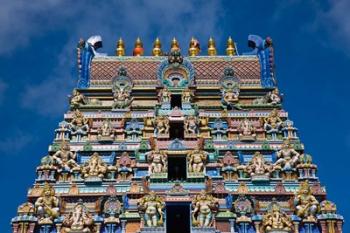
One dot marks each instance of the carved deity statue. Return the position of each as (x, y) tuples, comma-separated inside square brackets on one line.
[(196, 160), (246, 130), (162, 126), (191, 125), (106, 130), (306, 205), (121, 99), (78, 220), (258, 166), (164, 95), (124, 165), (230, 96), (274, 97), (65, 159), (187, 95), (157, 160), (273, 123), (276, 221), (46, 205), (77, 99), (79, 125), (229, 166), (204, 207), (152, 208), (94, 167), (287, 157)]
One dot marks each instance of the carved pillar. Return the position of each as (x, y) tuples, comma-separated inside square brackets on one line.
[(123, 225), (98, 227), (296, 227), (58, 227), (330, 224), (323, 226), (339, 226), (15, 228), (257, 226), (232, 225)]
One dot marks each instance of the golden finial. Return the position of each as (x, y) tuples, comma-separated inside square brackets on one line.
[(230, 50), (120, 51), (194, 47), (138, 49), (174, 45), (211, 47), (157, 48)]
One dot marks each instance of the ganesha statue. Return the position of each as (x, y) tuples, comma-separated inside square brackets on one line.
[(258, 168), (79, 220), (275, 220), (94, 167)]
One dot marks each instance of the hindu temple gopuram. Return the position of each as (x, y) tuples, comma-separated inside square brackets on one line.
[(180, 142)]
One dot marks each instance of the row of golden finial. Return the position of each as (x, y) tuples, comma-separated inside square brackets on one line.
[(194, 47)]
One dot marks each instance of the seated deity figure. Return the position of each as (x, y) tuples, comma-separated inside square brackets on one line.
[(152, 208), (157, 160), (274, 97), (79, 220), (258, 166), (246, 130), (65, 159), (229, 166), (46, 205), (230, 96), (196, 160), (164, 95), (306, 205), (191, 125), (79, 125), (276, 221), (94, 167), (273, 123), (204, 206), (77, 99), (121, 98), (124, 166), (162, 126), (287, 157), (187, 96), (106, 130)]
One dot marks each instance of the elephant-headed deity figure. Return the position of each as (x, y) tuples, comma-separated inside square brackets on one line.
[(79, 220), (204, 207), (94, 167), (151, 206), (275, 220)]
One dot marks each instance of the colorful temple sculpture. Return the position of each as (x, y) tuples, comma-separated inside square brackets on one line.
[(174, 143)]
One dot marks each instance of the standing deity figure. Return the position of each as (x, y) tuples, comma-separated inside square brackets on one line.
[(164, 95), (187, 95), (152, 208), (79, 125), (274, 97), (106, 130), (78, 220), (46, 205), (204, 207), (157, 160), (77, 99), (162, 126), (65, 158), (191, 125), (196, 160), (258, 166), (276, 221), (287, 157), (306, 205), (94, 167), (273, 124), (246, 130)]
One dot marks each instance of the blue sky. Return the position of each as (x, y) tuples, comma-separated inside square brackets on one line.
[(37, 70)]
